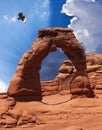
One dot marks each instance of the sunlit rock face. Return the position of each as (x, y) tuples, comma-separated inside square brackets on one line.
[(26, 80), (94, 70)]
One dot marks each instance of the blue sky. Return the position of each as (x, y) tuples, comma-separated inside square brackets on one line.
[(83, 16)]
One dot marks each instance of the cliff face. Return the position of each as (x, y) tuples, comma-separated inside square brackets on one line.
[(26, 80)]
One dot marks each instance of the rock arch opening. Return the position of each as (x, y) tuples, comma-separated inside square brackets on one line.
[(26, 80), (49, 68)]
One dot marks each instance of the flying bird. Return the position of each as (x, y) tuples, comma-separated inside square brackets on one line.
[(21, 17)]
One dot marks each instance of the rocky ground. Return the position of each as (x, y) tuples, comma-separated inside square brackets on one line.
[(58, 109), (54, 112)]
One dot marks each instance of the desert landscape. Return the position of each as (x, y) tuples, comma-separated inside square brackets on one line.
[(71, 101)]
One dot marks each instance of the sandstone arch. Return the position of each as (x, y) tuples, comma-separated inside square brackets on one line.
[(26, 80)]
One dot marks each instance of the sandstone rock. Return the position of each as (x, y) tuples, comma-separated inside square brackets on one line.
[(73, 128), (64, 92), (80, 84), (56, 111), (10, 122), (26, 81), (3, 95), (49, 87), (94, 70), (94, 59), (66, 67)]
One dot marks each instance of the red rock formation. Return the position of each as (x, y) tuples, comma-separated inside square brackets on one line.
[(94, 59), (26, 80), (94, 70), (54, 112), (66, 67), (61, 83), (58, 111), (80, 79)]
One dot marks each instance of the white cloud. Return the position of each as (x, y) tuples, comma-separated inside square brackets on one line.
[(6, 17), (86, 21), (90, 0), (45, 3), (3, 86), (73, 21), (44, 14), (41, 9), (10, 19), (81, 33), (13, 19)]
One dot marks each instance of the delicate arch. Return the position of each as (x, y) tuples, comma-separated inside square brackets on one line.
[(26, 80)]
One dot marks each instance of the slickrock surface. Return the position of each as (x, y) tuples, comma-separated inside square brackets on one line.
[(56, 112)]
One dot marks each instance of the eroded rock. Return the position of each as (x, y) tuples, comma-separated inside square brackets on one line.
[(94, 70), (26, 80)]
